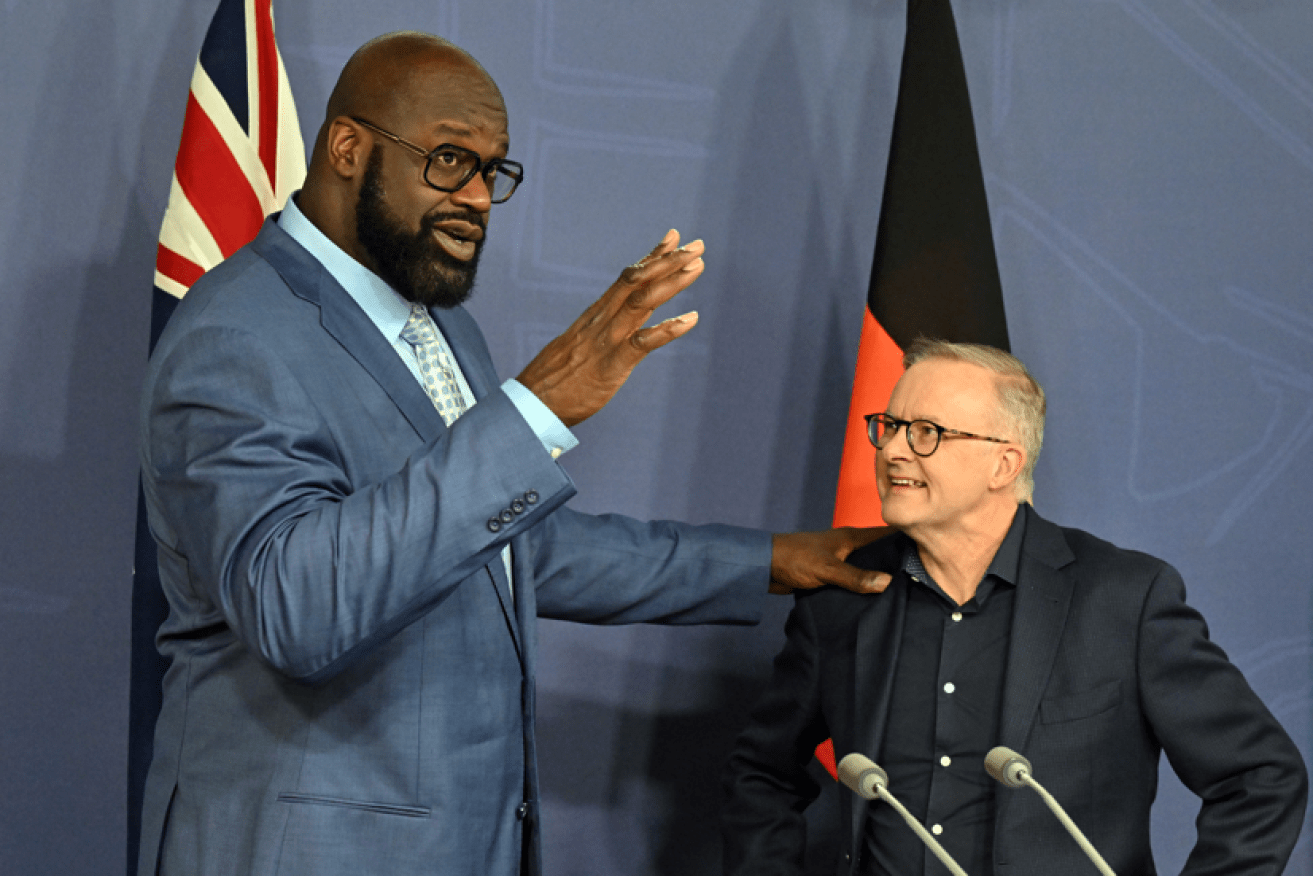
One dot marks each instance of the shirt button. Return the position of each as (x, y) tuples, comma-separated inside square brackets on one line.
[(945, 761), (937, 830), (957, 616), (556, 452), (949, 688)]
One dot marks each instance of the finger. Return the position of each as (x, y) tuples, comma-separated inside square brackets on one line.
[(603, 303), (857, 580), (631, 290), (662, 333), (637, 307), (665, 245), (658, 265)]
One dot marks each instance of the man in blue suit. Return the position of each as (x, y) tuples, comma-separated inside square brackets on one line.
[(1001, 628), (357, 526)]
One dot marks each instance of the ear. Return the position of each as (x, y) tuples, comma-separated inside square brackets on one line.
[(346, 148), (1008, 464)]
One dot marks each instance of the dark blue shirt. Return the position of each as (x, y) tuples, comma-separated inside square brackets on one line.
[(943, 719)]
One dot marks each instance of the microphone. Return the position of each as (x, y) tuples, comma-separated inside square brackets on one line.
[(865, 779), (1013, 770), (862, 776), (1007, 766)]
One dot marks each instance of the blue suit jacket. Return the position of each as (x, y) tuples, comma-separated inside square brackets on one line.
[(1107, 667), (351, 687)]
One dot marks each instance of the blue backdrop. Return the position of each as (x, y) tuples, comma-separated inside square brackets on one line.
[(1150, 171)]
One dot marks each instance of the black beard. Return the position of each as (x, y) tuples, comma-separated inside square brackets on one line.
[(414, 264)]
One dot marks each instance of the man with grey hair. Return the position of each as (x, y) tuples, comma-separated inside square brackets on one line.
[(1003, 629)]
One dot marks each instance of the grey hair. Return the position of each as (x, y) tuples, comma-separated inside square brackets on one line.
[(1021, 398)]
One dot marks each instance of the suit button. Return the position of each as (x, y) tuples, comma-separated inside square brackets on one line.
[(506, 516), (531, 497), (517, 506), (494, 525), (521, 811)]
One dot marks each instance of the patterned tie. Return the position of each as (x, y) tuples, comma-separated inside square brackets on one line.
[(434, 364)]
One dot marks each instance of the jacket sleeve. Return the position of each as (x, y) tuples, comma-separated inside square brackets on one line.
[(766, 781), (267, 525), (611, 569), (1221, 740)]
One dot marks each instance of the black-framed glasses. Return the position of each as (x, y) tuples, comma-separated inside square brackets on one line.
[(449, 168), (922, 435)]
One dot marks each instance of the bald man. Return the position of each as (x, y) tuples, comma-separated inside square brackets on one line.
[(358, 525)]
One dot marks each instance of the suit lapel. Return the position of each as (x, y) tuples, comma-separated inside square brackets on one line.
[(466, 342), (1039, 616), (343, 319), (879, 637)]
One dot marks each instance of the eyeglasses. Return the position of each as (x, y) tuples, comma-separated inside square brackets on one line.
[(449, 168), (922, 435)]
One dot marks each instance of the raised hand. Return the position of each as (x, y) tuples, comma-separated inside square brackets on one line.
[(577, 373)]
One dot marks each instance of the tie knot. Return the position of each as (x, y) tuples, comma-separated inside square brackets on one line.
[(419, 327)]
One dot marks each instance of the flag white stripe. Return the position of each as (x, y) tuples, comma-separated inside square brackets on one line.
[(291, 148), (243, 149), (184, 232)]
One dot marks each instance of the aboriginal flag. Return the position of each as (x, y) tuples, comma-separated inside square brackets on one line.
[(240, 157), (934, 273)]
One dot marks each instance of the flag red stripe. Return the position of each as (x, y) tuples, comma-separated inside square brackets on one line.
[(879, 365), (177, 268), (214, 183), (266, 61), (856, 502), (825, 756)]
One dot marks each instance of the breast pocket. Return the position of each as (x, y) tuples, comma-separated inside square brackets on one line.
[(1081, 704)]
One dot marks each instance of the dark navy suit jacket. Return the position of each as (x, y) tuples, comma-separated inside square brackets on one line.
[(1107, 667), (351, 686)]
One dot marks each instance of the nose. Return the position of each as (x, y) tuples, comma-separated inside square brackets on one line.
[(474, 195), (897, 447)]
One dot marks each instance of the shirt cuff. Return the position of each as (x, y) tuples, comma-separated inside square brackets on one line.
[(555, 435)]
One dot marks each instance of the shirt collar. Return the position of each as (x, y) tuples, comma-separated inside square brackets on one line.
[(380, 302), (1003, 567)]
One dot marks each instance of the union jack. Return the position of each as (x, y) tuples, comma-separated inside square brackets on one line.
[(241, 154), (240, 158)]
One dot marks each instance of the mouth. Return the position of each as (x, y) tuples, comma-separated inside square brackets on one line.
[(459, 239), (906, 483)]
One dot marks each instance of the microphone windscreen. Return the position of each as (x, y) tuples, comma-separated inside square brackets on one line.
[(1005, 765), (860, 774)]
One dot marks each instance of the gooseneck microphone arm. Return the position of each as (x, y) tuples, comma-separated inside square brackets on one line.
[(867, 780), (1013, 770)]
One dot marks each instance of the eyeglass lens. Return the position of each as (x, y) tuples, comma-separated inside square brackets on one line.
[(921, 434), (452, 168)]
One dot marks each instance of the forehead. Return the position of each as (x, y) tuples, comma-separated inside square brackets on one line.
[(945, 391), (457, 102)]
